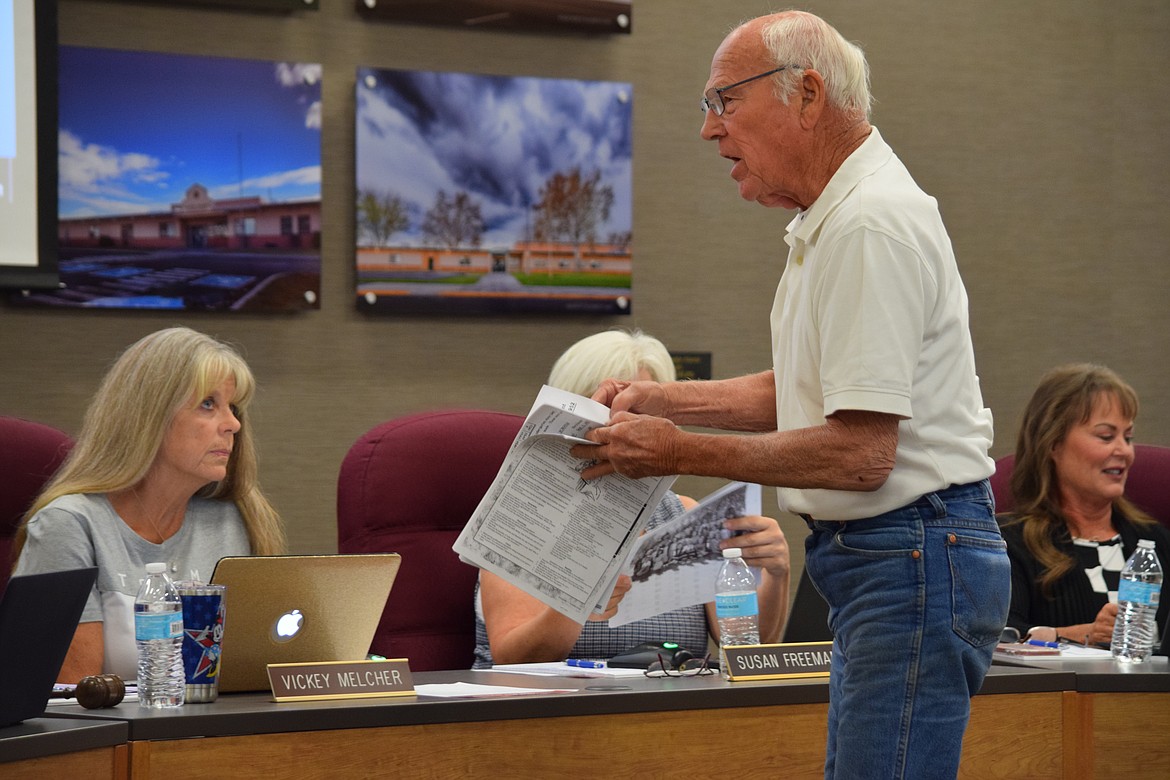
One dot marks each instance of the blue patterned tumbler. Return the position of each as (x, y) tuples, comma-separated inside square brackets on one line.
[(202, 634)]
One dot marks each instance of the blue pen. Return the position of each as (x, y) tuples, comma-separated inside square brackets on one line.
[(1039, 643), (583, 664)]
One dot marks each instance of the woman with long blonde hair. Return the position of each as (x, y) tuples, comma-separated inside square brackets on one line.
[(164, 469)]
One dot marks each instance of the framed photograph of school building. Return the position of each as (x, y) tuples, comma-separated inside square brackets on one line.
[(482, 194), (187, 183)]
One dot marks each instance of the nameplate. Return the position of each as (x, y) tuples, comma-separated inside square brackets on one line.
[(340, 680), (778, 662)]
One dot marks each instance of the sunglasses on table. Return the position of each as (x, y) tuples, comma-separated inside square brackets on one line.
[(692, 667)]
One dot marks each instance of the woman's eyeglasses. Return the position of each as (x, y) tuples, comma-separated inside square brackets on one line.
[(692, 667)]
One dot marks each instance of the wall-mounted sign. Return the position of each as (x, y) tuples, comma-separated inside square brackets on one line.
[(691, 365), (244, 5), (593, 16)]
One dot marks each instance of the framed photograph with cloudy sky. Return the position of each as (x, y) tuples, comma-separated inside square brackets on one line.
[(187, 183), (485, 194)]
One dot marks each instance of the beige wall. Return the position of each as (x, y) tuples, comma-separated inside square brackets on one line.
[(1039, 126)]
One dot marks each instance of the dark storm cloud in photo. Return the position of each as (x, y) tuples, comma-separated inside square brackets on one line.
[(497, 138)]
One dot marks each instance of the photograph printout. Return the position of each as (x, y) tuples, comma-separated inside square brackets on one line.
[(550, 533), (675, 564)]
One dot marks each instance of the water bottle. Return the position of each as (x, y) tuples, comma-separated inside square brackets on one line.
[(1137, 603), (736, 607), (158, 630)]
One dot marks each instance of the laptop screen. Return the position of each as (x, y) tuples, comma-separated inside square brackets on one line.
[(298, 609), (38, 616)]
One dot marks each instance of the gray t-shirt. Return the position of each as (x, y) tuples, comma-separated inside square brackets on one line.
[(82, 530)]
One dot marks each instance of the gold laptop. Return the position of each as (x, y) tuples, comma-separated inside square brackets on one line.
[(298, 609)]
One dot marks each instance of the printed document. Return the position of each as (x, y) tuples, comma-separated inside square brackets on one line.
[(541, 527), (675, 564)]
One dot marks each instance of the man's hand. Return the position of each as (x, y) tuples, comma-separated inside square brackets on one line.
[(638, 397), (632, 444)]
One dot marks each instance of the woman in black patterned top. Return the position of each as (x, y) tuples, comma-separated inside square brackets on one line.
[(1073, 529)]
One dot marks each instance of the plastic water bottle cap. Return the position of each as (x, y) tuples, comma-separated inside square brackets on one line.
[(1146, 543), (155, 568), (733, 552)]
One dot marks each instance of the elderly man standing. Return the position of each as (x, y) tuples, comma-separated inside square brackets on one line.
[(870, 424)]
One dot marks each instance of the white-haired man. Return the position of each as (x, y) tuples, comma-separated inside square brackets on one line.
[(870, 424)]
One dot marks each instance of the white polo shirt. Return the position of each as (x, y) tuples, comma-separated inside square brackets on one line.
[(870, 314)]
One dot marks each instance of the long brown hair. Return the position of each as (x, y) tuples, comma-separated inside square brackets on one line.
[(1064, 398)]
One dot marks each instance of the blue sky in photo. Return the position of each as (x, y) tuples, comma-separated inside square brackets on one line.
[(138, 128), (499, 138)]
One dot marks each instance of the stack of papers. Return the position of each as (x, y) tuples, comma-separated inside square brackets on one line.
[(1025, 650), (565, 541), (1065, 652), (562, 669)]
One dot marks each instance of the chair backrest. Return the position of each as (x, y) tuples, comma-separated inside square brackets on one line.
[(30, 453), (808, 620), (1147, 486), (409, 486)]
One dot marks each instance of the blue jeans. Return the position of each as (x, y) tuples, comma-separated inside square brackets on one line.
[(917, 599)]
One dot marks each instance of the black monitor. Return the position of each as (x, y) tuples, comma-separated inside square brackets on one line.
[(28, 144)]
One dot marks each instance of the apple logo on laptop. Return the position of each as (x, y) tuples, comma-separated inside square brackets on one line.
[(287, 625)]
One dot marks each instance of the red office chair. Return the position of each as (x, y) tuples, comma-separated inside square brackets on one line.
[(30, 453), (1148, 484), (409, 486)]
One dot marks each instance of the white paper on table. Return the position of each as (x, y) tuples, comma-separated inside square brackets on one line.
[(1076, 652), (675, 564), (465, 690)]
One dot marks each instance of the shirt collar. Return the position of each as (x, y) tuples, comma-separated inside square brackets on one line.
[(864, 161)]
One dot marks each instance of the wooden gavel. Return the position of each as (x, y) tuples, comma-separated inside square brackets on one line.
[(96, 691)]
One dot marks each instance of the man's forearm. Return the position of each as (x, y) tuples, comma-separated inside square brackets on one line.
[(746, 403), (834, 456)]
